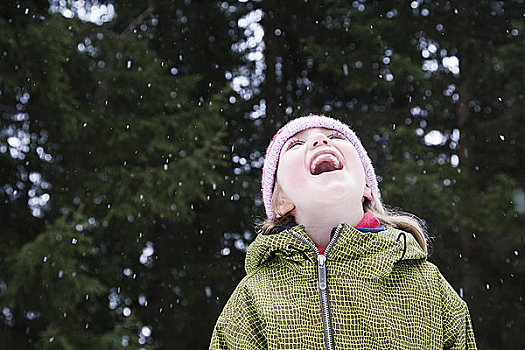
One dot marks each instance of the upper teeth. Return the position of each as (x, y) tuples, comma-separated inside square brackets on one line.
[(325, 157)]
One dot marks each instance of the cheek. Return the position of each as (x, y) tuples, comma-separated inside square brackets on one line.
[(354, 161), (291, 174)]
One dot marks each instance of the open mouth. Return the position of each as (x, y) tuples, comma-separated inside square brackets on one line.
[(325, 162)]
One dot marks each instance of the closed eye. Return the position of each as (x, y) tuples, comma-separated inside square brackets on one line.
[(293, 143), (336, 136)]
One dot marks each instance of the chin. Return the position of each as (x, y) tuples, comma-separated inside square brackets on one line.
[(334, 181)]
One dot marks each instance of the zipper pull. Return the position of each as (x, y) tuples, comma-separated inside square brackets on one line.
[(321, 271)]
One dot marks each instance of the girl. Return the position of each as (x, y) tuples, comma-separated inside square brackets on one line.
[(331, 268)]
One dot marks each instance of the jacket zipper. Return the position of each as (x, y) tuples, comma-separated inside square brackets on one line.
[(325, 302), (322, 286)]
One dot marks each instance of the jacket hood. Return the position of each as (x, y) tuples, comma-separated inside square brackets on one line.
[(378, 249)]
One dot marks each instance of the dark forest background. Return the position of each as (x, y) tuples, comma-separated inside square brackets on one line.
[(131, 148)]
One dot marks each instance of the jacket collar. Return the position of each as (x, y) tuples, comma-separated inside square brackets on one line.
[(382, 248)]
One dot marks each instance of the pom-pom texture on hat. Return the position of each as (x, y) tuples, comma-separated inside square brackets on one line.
[(297, 125)]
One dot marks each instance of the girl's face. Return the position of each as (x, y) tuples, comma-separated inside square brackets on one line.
[(319, 167)]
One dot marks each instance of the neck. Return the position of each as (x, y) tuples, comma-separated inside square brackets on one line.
[(319, 223)]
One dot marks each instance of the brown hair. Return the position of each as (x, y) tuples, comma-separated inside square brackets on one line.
[(390, 217)]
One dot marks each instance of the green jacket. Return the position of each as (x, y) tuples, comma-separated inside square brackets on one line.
[(376, 290)]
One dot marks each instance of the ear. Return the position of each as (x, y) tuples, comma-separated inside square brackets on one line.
[(284, 206), (367, 194)]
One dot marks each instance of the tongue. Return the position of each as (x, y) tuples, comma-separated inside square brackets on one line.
[(324, 167)]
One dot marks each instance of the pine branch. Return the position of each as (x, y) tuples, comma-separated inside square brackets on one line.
[(140, 18)]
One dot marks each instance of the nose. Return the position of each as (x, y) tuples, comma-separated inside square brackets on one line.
[(319, 139)]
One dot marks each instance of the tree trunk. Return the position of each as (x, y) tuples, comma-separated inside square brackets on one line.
[(269, 89), (463, 123)]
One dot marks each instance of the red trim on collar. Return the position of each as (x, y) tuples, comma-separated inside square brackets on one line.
[(369, 221)]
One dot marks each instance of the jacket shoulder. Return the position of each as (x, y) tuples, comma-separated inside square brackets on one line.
[(240, 325), (457, 325), (243, 296), (435, 279)]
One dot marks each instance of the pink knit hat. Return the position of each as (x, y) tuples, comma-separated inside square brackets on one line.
[(297, 125)]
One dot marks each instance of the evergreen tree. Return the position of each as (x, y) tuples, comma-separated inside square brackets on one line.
[(112, 150)]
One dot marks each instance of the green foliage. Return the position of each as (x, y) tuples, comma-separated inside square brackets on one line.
[(53, 279), (54, 266), (123, 144), (419, 179)]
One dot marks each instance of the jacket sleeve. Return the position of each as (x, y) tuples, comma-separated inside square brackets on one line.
[(239, 326), (457, 326)]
